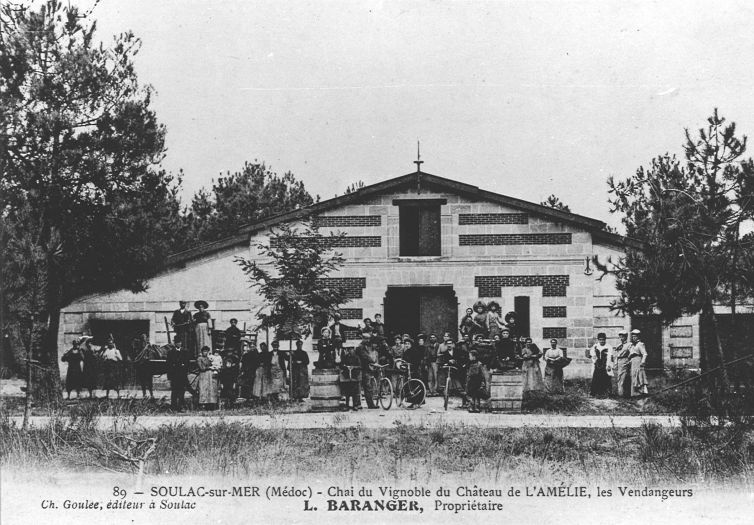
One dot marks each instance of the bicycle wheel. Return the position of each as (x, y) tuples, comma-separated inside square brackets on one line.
[(413, 392), (385, 393)]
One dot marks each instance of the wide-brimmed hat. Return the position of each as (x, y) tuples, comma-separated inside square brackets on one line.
[(622, 332), (479, 304), (233, 319), (495, 304), (635, 332), (202, 304), (511, 317)]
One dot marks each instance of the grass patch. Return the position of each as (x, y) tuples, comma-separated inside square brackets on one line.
[(650, 454)]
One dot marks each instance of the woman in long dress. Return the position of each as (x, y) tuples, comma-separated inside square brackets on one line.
[(202, 330), (260, 377), (207, 380), (531, 354), (300, 372), (112, 360), (276, 375), (638, 357), (602, 358), (74, 377), (556, 360), (248, 370), (89, 378)]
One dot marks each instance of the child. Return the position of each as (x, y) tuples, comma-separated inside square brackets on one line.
[(476, 387)]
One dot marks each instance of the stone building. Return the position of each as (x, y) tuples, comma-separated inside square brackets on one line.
[(419, 249)]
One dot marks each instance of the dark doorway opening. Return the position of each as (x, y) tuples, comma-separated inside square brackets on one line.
[(651, 335), (123, 332), (523, 317), (428, 310)]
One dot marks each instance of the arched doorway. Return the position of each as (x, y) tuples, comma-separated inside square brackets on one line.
[(415, 309)]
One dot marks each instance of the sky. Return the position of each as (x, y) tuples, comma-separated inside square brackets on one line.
[(520, 98)]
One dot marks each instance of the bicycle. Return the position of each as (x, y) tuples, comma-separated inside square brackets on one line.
[(409, 389), (446, 394), (382, 388)]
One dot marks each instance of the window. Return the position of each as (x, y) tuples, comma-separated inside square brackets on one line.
[(420, 229)]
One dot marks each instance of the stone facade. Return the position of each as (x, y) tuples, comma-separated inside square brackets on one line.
[(488, 250)]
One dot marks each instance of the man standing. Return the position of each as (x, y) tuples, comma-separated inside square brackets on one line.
[(177, 375), (623, 365), (364, 353), (378, 326), (233, 338), (430, 359), (181, 323)]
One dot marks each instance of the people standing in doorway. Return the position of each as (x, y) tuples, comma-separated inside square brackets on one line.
[(638, 357), (530, 367), (181, 323), (202, 328), (112, 360), (623, 365), (74, 376), (601, 354)]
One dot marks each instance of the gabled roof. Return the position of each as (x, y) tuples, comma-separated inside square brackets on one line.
[(417, 179)]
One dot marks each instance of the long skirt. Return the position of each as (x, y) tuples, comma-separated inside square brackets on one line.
[(532, 376), (638, 377), (300, 378), (259, 380), (623, 377), (554, 379), (246, 383), (207, 388), (602, 384), (74, 377), (276, 384), (112, 375), (203, 338), (89, 379)]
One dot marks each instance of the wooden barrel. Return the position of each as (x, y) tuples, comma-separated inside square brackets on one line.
[(325, 390), (506, 391)]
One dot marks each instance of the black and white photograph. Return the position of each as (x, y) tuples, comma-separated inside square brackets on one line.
[(371, 261)]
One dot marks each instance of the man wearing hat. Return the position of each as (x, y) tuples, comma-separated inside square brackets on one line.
[(233, 338), (181, 323), (623, 365), (638, 356)]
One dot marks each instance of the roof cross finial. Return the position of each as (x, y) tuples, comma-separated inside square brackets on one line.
[(418, 160)]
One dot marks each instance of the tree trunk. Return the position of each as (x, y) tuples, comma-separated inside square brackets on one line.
[(710, 313), (27, 402)]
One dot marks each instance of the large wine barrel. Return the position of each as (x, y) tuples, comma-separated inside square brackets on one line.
[(325, 389), (506, 391)]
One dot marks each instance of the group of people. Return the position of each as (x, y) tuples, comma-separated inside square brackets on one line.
[(464, 365), (84, 365), (628, 359)]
